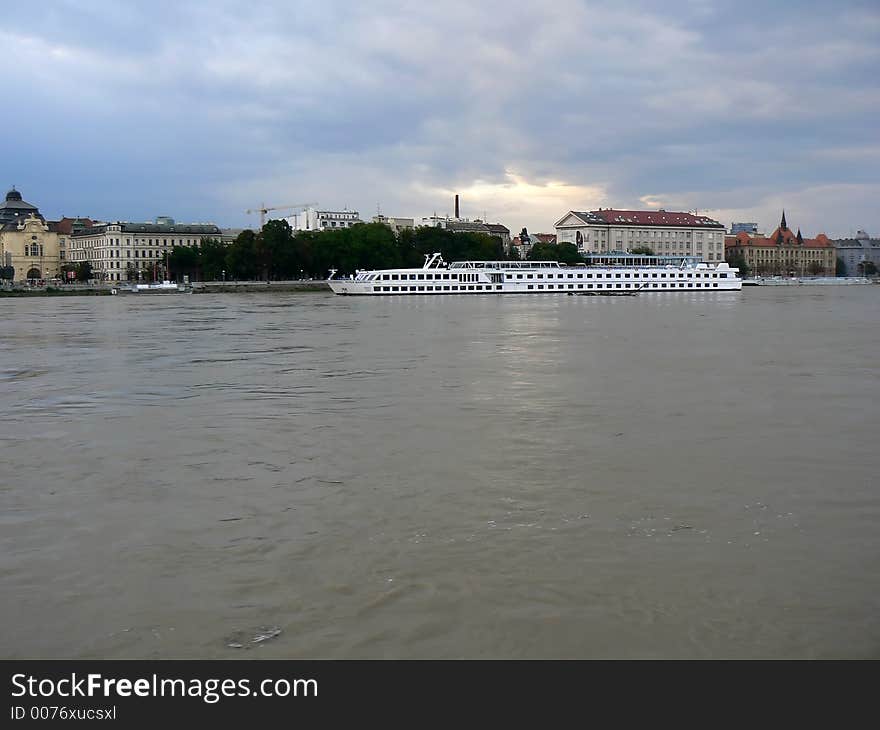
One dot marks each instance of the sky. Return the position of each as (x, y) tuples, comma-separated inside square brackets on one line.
[(203, 110)]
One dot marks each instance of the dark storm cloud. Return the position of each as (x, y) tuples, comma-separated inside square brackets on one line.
[(200, 110)]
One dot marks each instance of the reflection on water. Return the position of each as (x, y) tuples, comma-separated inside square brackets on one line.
[(680, 475)]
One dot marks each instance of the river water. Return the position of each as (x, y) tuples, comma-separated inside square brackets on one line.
[(310, 476)]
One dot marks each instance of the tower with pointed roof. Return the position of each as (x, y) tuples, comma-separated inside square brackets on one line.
[(783, 225)]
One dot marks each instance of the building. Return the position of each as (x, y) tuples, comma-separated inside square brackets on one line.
[(858, 251), (34, 247), (524, 241), (323, 220), (458, 224), (118, 251), (783, 253), (751, 228), (395, 224), (665, 233)]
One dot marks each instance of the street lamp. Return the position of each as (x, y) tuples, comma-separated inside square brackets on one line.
[(224, 274)]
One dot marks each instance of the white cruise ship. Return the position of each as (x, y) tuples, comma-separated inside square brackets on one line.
[(536, 277)]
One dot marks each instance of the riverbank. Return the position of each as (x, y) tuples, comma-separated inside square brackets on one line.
[(222, 287), (808, 281), (55, 292), (198, 287)]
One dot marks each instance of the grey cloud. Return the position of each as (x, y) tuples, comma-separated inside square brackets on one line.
[(194, 105)]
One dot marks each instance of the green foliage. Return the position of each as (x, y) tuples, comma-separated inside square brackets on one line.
[(867, 268), (840, 267), (212, 259), (646, 250), (738, 261), (815, 268), (183, 260), (84, 271), (277, 252), (241, 257), (564, 253), (7, 272)]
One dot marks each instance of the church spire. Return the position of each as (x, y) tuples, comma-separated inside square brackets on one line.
[(783, 225), (800, 238)]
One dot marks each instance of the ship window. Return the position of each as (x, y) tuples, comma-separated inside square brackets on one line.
[(580, 276), (589, 276), (617, 276), (529, 276), (421, 277), (421, 288), (653, 276), (714, 283), (531, 286), (519, 276), (654, 285), (571, 286), (598, 286), (540, 276), (498, 287), (618, 286), (723, 276), (540, 286), (394, 277), (395, 288), (571, 276), (446, 288), (454, 288), (429, 276), (384, 277), (607, 276)]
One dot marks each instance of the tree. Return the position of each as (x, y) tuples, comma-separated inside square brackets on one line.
[(815, 268), (183, 260), (868, 268), (646, 250), (212, 255), (7, 273), (84, 271), (241, 257), (564, 253), (840, 267), (738, 261)]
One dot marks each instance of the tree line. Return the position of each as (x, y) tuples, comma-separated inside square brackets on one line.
[(277, 252)]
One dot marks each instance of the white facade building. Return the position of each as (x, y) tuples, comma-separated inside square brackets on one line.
[(312, 219), (665, 233), (395, 224), (117, 249)]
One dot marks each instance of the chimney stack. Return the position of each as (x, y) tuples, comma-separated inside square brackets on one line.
[(456, 207)]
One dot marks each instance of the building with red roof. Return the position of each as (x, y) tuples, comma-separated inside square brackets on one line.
[(666, 233), (783, 252)]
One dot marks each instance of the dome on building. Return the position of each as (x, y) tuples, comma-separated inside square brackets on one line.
[(14, 210)]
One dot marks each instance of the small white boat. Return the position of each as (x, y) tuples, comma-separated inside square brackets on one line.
[(156, 287)]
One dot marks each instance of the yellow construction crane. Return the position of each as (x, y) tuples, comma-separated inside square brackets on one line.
[(262, 210)]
